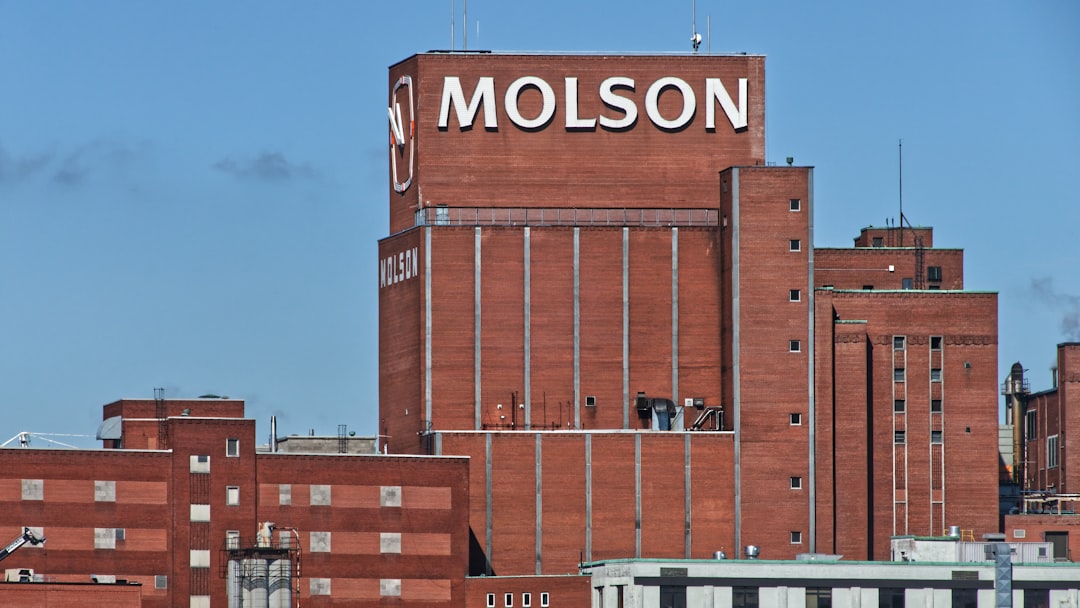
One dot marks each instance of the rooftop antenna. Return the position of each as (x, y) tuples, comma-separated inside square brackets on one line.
[(900, 147), (695, 37)]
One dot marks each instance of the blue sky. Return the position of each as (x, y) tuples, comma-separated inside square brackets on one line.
[(191, 193)]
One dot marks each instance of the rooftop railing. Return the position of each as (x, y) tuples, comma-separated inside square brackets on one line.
[(564, 216)]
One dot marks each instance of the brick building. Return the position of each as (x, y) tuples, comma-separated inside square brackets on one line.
[(174, 505), (1047, 455), (596, 288)]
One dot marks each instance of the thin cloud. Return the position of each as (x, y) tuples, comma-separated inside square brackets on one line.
[(1067, 304), (15, 168), (78, 165), (268, 166)]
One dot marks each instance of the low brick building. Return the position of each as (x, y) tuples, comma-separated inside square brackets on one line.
[(177, 502)]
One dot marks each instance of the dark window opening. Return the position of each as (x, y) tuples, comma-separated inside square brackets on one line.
[(672, 597), (899, 437), (818, 597), (890, 598), (878, 242), (899, 406), (744, 597), (935, 342), (933, 273), (935, 406), (965, 598)]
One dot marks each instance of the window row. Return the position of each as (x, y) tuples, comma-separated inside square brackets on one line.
[(888, 597), (900, 342), (900, 406), (900, 374), (900, 437), (526, 600)]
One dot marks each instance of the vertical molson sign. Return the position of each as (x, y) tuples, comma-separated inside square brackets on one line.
[(400, 266), (483, 130)]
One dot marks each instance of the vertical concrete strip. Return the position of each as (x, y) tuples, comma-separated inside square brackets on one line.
[(539, 505), (626, 327), (487, 502), (577, 328), (526, 398), (427, 327), (675, 325), (811, 332), (588, 497), (735, 337), (476, 328), (687, 511), (637, 495)]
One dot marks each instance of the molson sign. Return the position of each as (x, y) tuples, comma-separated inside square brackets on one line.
[(612, 92), (485, 130)]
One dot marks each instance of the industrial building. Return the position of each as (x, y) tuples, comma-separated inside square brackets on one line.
[(597, 287), (1046, 468), (184, 510), (607, 341)]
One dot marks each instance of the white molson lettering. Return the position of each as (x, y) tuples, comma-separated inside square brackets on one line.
[(610, 89), (397, 268)]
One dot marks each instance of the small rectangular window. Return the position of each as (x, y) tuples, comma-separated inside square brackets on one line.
[(232, 539), (796, 483), (868, 287), (794, 245), (935, 342), (544, 599), (935, 437), (508, 600), (933, 273), (1031, 430), (232, 447), (794, 295), (232, 496), (898, 342), (161, 581), (121, 533), (796, 537), (899, 406), (935, 374), (794, 346), (898, 374), (590, 401), (907, 283), (1052, 452), (491, 600), (899, 437), (795, 204), (795, 419), (935, 406), (526, 600), (878, 242)]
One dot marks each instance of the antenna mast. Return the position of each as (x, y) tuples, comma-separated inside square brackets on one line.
[(900, 145), (695, 37)]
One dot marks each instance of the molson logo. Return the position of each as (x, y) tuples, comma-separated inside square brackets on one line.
[(613, 92), (398, 267)]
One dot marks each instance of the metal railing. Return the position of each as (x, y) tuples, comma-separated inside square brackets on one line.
[(564, 216)]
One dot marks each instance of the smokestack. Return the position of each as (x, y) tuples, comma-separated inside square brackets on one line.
[(273, 433)]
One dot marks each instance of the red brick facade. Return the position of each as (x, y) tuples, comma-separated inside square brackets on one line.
[(561, 272), (367, 527)]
